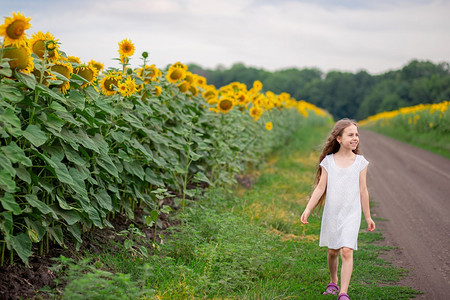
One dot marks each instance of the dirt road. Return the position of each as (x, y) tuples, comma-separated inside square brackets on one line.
[(411, 189)]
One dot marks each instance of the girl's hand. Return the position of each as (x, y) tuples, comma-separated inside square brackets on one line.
[(305, 215), (370, 224)]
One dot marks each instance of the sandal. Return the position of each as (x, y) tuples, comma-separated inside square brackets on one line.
[(332, 289), (343, 296)]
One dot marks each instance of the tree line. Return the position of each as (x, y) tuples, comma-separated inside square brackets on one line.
[(344, 94)]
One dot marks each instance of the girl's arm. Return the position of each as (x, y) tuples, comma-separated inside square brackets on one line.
[(317, 193), (365, 199)]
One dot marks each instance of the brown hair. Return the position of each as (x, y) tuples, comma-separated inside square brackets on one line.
[(332, 146)]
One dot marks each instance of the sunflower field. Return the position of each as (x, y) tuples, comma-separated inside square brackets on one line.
[(424, 123), (80, 143)]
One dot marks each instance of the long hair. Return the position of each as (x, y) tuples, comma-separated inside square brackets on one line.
[(332, 146)]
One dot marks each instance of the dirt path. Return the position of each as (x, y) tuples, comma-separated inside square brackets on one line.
[(411, 188)]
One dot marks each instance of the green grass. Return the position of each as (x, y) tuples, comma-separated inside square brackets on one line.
[(249, 243), (433, 141)]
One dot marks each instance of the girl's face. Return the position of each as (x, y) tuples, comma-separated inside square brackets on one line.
[(349, 138)]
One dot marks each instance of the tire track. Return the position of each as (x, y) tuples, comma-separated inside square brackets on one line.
[(411, 188)]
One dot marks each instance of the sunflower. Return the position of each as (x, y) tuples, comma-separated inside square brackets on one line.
[(256, 112), (73, 59), (97, 65), (241, 98), (131, 85), (225, 105), (13, 30), (179, 66), (20, 58), (269, 126), (210, 92), (189, 77), (126, 48), (157, 91), (88, 72), (175, 74), (65, 69), (40, 42), (257, 86), (151, 73), (194, 90), (184, 86), (199, 80), (109, 83), (123, 89)]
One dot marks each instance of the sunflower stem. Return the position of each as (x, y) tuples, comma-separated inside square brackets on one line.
[(2, 260)]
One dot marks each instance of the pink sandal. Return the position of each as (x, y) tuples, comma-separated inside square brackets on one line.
[(343, 296), (332, 289)]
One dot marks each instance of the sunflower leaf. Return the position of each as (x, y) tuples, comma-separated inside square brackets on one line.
[(22, 245), (11, 93), (10, 204), (35, 135), (16, 154), (27, 79), (8, 116)]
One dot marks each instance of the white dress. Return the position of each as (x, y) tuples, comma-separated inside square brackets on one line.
[(341, 217)]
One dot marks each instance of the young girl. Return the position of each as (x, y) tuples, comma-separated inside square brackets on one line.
[(341, 184)]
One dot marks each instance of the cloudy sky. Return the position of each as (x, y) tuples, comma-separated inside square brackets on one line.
[(348, 35)]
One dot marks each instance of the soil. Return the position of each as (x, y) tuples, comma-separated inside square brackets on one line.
[(20, 282), (410, 188)]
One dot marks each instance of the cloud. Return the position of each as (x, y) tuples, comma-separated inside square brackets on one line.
[(345, 35)]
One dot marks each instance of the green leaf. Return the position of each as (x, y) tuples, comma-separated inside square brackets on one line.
[(106, 163), (35, 135), (86, 141), (156, 137), (22, 245), (106, 107), (104, 200), (94, 216), (73, 156), (61, 171), (5, 163), (101, 143), (10, 204), (6, 181), (62, 203), (151, 177), (28, 79), (123, 155), (5, 69), (23, 174), (166, 209), (70, 216), (37, 226), (134, 168), (56, 234), (78, 184), (6, 223), (54, 122), (41, 206), (48, 92), (10, 117), (16, 154), (76, 99), (76, 233), (11, 93), (199, 176)]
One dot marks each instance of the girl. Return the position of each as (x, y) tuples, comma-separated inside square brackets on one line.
[(341, 184)]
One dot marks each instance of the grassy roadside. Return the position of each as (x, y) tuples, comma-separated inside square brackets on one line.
[(435, 142), (242, 244)]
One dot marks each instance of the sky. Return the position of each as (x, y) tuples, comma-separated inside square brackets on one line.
[(349, 35)]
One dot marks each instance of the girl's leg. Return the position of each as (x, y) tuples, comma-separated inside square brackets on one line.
[(333, 262), (347, 268)]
